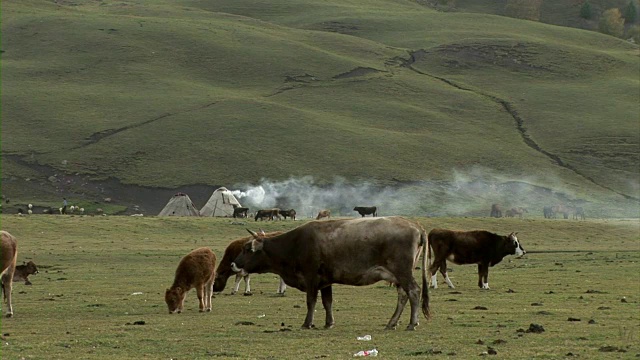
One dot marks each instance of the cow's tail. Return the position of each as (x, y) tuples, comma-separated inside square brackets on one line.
[(425, 286)]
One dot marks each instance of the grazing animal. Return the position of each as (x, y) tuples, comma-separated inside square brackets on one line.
[(578, 213), (288, 213), (8, 257), (324, 214), (23, 271), (366, 210), (196, 270), (516, 212), (496, 211), (224, 271), (81, 211), (547, 211), (269, 214), (560, 209), (318, 254), (469, 247), (240, 212), (30, 206)]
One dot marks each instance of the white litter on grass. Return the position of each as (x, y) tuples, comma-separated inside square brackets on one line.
[(364, 338), (261, 316), (137, 293)]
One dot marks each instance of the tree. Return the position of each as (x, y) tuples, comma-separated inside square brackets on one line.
[(585, 10), (631, 12), (523, 9), (612, 23)]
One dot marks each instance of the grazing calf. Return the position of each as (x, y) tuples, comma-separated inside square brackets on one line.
[(23, 271), (196, 270), (366, 210), (469, 247), (324, 214), (8, 257), (224, 271)]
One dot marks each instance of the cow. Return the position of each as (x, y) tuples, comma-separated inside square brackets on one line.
[(196, 270), (23, 271), (8, 257), (560, 209), (469, 247), (224, 271), (318, 254), (496, 211), (578, 213), (516, 211), (288, 213), (366, 210), (324, 214), (240, 212), (270, 214), (547, 211)]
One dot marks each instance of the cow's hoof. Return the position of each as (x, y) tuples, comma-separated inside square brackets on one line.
[(411, 327), (305, 326), (248, 293), (329, 326), (390, 327), (9, 315), (234, 292)]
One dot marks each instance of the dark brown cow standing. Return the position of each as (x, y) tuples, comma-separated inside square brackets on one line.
[(9, 257), (224, 271), (288, 213), (469, 247), (269, 214), (357, 252), (196, 270), (240, 212), (366, 210)]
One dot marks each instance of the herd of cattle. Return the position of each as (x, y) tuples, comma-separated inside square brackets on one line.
[(278, 214), (549, 212)]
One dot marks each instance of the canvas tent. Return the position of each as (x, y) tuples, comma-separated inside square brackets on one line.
[(221, 203), (179, 205)]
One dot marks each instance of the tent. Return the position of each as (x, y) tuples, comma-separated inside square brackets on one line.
[(221, 203), (179, 205)]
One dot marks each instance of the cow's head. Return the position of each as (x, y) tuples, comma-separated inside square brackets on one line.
[(252, 259), (31, 267), (514, 245), (175, 299)]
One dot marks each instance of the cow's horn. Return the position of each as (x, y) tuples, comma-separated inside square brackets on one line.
[(255, 235)]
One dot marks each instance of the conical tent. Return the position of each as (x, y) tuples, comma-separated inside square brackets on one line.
[(221, 203), (179, 205)]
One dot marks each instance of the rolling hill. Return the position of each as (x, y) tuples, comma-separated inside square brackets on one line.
[(100, 98)]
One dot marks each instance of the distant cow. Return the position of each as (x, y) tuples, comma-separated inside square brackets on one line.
[(578, 213), (516, 212), (269, 214), (224, 271), (356, 252), (560, 209), (547, 211), (469, 247), (366, 210), (196, 270), (8, 257), (496, 211), (324, 214), (240, 212), (23, 271), (288, 213)]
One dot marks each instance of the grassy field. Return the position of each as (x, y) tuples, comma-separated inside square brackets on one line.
[(173, 93), (99, 295)]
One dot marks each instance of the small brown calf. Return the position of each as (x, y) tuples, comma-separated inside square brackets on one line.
[(323, 214), (195, 270), (23, 271)]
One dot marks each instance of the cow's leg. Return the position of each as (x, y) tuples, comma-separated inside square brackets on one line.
[(208, 293), (327, 301), (437, 264), (312, 297), (282, 287), (200, 291), (236, 285), (483, 276), (446, 277), (6, 289), (247, 284), (402, 301)]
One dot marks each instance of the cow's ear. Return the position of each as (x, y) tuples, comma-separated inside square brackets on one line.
[(256, 245)]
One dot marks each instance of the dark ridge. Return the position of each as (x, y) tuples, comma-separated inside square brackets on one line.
[(359, 71)]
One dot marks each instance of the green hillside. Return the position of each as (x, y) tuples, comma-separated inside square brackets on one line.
[(164, 94)]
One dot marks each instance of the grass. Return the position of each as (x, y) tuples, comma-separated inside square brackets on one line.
[(83, 304), (165, 94)]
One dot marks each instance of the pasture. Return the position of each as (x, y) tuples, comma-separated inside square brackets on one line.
[(99, 294)]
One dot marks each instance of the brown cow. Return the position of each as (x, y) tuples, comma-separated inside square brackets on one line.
[(23, 271), (270, 214), (496, 211), (240, 212), (324, 214), (469, 247), (224, 271), (288, 213), (9, 256), (356, 252), (196, 270)]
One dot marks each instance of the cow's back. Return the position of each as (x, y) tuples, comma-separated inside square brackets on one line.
[(9, 251)]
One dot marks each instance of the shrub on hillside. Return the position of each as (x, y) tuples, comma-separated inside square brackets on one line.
[(612, 23), (585, 10)]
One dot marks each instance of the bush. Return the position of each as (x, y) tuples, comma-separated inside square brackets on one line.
[(612, 23)]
